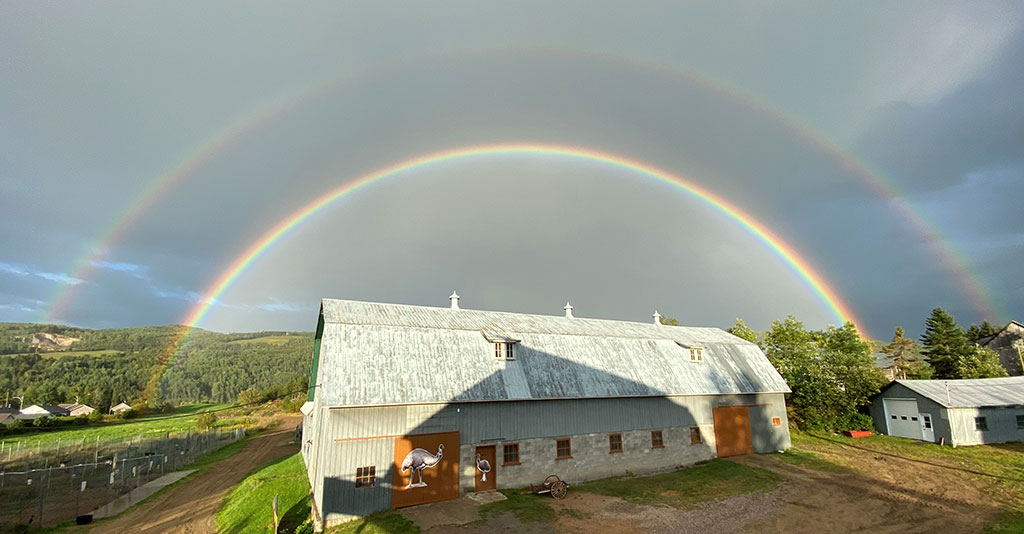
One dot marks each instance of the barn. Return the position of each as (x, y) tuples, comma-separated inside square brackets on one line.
[(952, 412), (413, 404)]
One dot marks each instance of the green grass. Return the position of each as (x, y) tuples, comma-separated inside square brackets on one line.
[(248, 507), (1002, 464), (686, 487), (179, 420), (527, 507), (388, 522)]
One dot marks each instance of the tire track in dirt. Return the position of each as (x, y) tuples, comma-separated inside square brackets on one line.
[(189, 508)]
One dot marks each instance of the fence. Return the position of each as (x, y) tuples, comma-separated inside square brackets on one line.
[(44, 490)]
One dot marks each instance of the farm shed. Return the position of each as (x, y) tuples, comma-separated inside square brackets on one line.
[(412, 404), (955, 412), (1009, 345)]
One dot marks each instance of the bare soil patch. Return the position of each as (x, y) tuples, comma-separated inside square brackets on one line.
[(189, 507)]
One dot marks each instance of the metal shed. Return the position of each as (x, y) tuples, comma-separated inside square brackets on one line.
[(414, 404), (953, 412)]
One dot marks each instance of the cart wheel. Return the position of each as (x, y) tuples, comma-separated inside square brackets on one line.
[(559, 489), (551, 480)]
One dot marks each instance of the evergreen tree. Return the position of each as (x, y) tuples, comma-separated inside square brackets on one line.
[(742, 331), (905, 355), (945, 344), (981, 362)]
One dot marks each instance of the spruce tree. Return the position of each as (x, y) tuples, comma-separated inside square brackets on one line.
[(945, 344), (900, 351)]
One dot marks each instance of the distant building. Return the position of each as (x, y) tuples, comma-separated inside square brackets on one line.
[(954, 412), (1008, 343), (76, 409), (884, 364), (43, 410), (7, 415), (414, 404), (122, 407)]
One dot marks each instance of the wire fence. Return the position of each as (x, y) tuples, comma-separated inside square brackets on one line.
[(46, 489)]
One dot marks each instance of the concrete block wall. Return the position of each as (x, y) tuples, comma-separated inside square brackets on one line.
[(591, 457)]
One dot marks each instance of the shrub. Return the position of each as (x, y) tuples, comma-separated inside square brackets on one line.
[(205, 421), (96, 416), (250, 396)]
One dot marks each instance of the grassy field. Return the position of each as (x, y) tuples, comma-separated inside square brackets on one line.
[(686, 487), (269, 340), (248, 507), (182, 419), (1002, 464)]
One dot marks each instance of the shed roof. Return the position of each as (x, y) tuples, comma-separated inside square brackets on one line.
[(970, 393), (376, 354)]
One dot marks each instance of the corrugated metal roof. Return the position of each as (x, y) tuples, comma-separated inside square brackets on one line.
[(374, 354), (976, 392)]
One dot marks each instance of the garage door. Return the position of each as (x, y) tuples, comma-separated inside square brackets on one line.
[(902, 418), (732, 431)]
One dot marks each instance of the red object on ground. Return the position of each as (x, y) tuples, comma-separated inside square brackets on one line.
[(857, 433)]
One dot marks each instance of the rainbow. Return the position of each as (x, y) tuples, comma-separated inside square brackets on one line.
[(85, 266), (956, 263), (788, 255)]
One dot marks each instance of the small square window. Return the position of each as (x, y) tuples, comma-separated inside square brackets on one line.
[(894, 417), (913, 419), (696, 354), (366, 476), (776, 421), (903, 417), (980, 423), (563, 449), (657, 441), (511, 454), (1020, 422), (695, 437), (614, 443)]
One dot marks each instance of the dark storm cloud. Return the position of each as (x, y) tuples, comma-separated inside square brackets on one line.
[(100, 101)]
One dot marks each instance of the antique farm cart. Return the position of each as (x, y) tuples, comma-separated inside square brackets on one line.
[(553, 485)]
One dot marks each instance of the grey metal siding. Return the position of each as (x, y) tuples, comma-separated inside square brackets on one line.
[(518, 421), (1002, 425)]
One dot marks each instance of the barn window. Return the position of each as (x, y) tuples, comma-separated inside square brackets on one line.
[(511, 454), (563, 449), (1020, 422), (776, 421), (657, 441), (504, 351), (614, 443), (980, 423), (696, 354), (366, 476), (695, 437)]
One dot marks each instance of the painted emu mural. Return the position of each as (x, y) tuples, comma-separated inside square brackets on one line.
[(417, 460), (484, 466)]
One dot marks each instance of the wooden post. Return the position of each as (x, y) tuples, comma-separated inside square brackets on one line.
[(274, 506)]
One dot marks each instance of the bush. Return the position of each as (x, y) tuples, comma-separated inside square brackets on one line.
[(41, 421), (96, 416), (205, 421), (250, 396)]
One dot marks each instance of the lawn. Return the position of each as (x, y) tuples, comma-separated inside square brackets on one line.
[(248, 507), (181, 419), (1002, 464), (686, 487)]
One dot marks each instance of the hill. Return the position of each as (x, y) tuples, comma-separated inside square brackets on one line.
[(104, 367)]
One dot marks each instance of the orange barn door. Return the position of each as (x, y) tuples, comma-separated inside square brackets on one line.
[(732, 431), (426, 469), (486, 474)]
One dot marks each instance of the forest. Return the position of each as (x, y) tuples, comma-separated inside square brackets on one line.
[(105, 367)]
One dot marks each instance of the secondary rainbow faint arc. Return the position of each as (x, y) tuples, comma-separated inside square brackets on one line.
[(802, 267)]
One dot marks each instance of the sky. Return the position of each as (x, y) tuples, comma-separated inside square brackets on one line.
[(147, 146)]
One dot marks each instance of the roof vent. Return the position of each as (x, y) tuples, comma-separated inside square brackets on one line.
[(568, 310), (657, 318), (455, 300)]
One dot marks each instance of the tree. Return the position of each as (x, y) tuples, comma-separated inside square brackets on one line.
[(945, 344), (981, 362), (742, 331), (831, 373), (205, 421), (976, 332), (669, 321), (905, 355)]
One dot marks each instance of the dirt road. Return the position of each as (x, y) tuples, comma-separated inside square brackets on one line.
[(188, 508)]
